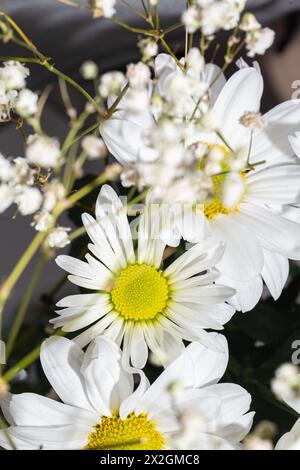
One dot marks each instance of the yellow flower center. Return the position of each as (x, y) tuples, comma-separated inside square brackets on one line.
[(214, 205), (131, 433), (140, 292)]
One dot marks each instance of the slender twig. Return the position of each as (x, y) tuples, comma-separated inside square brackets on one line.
[(24, 306)]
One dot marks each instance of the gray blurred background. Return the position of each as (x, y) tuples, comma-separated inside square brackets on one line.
[(71, 36)]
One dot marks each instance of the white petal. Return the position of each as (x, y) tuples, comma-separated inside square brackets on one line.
[(138, 348), (237, 430), (204, 295), (196, 367), (275, 272), (61, 360), (95, 330), (290, 440), (108, 197), (124, 139), (103, 374), (271, 143), (247, 294), (241, 93), (243, 257), (274, 185), (101, 247), (274, 232), (70, 436), (29, 409)]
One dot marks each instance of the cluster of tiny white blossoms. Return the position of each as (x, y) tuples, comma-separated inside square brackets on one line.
[(104, 8), (14, 96), (24, 181), (211, 16)]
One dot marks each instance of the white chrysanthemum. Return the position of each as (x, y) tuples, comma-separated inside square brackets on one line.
[(136, 300), (259, 233), (102, 411)]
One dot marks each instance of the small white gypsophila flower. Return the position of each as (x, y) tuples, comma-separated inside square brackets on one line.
[(106, 7), (42, 221), (253, 120), (58, 237), (89, 70), (258, 41), (7, 196), (219, 15), (138, 75), (54, 191), (253, 442), (28, 199), (13, 75), (94, 147), (22, 174), (191, 18), (210, 121), (195, 61), (137, 100), (7, 101), (249, 23), (181, 91), (6, 169), (261, 437), (191, 424), (26, 103), (111, 83), (239, 5), (42, 150), (203, 3), (148, 48), (286, 384)]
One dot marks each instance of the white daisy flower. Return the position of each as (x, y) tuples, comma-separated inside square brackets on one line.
[(135, 299), (258, 234), (100, 410)]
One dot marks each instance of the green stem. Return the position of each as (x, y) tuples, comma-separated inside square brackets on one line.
[(8, 284), (44, 63), (4, 428), (24, 306), (26, 361), (22, 364), (133, 29), (169, 50), (87, 189)]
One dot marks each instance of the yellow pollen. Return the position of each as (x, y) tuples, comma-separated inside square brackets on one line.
[(140, 292), (214, 206), (132, 433)]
